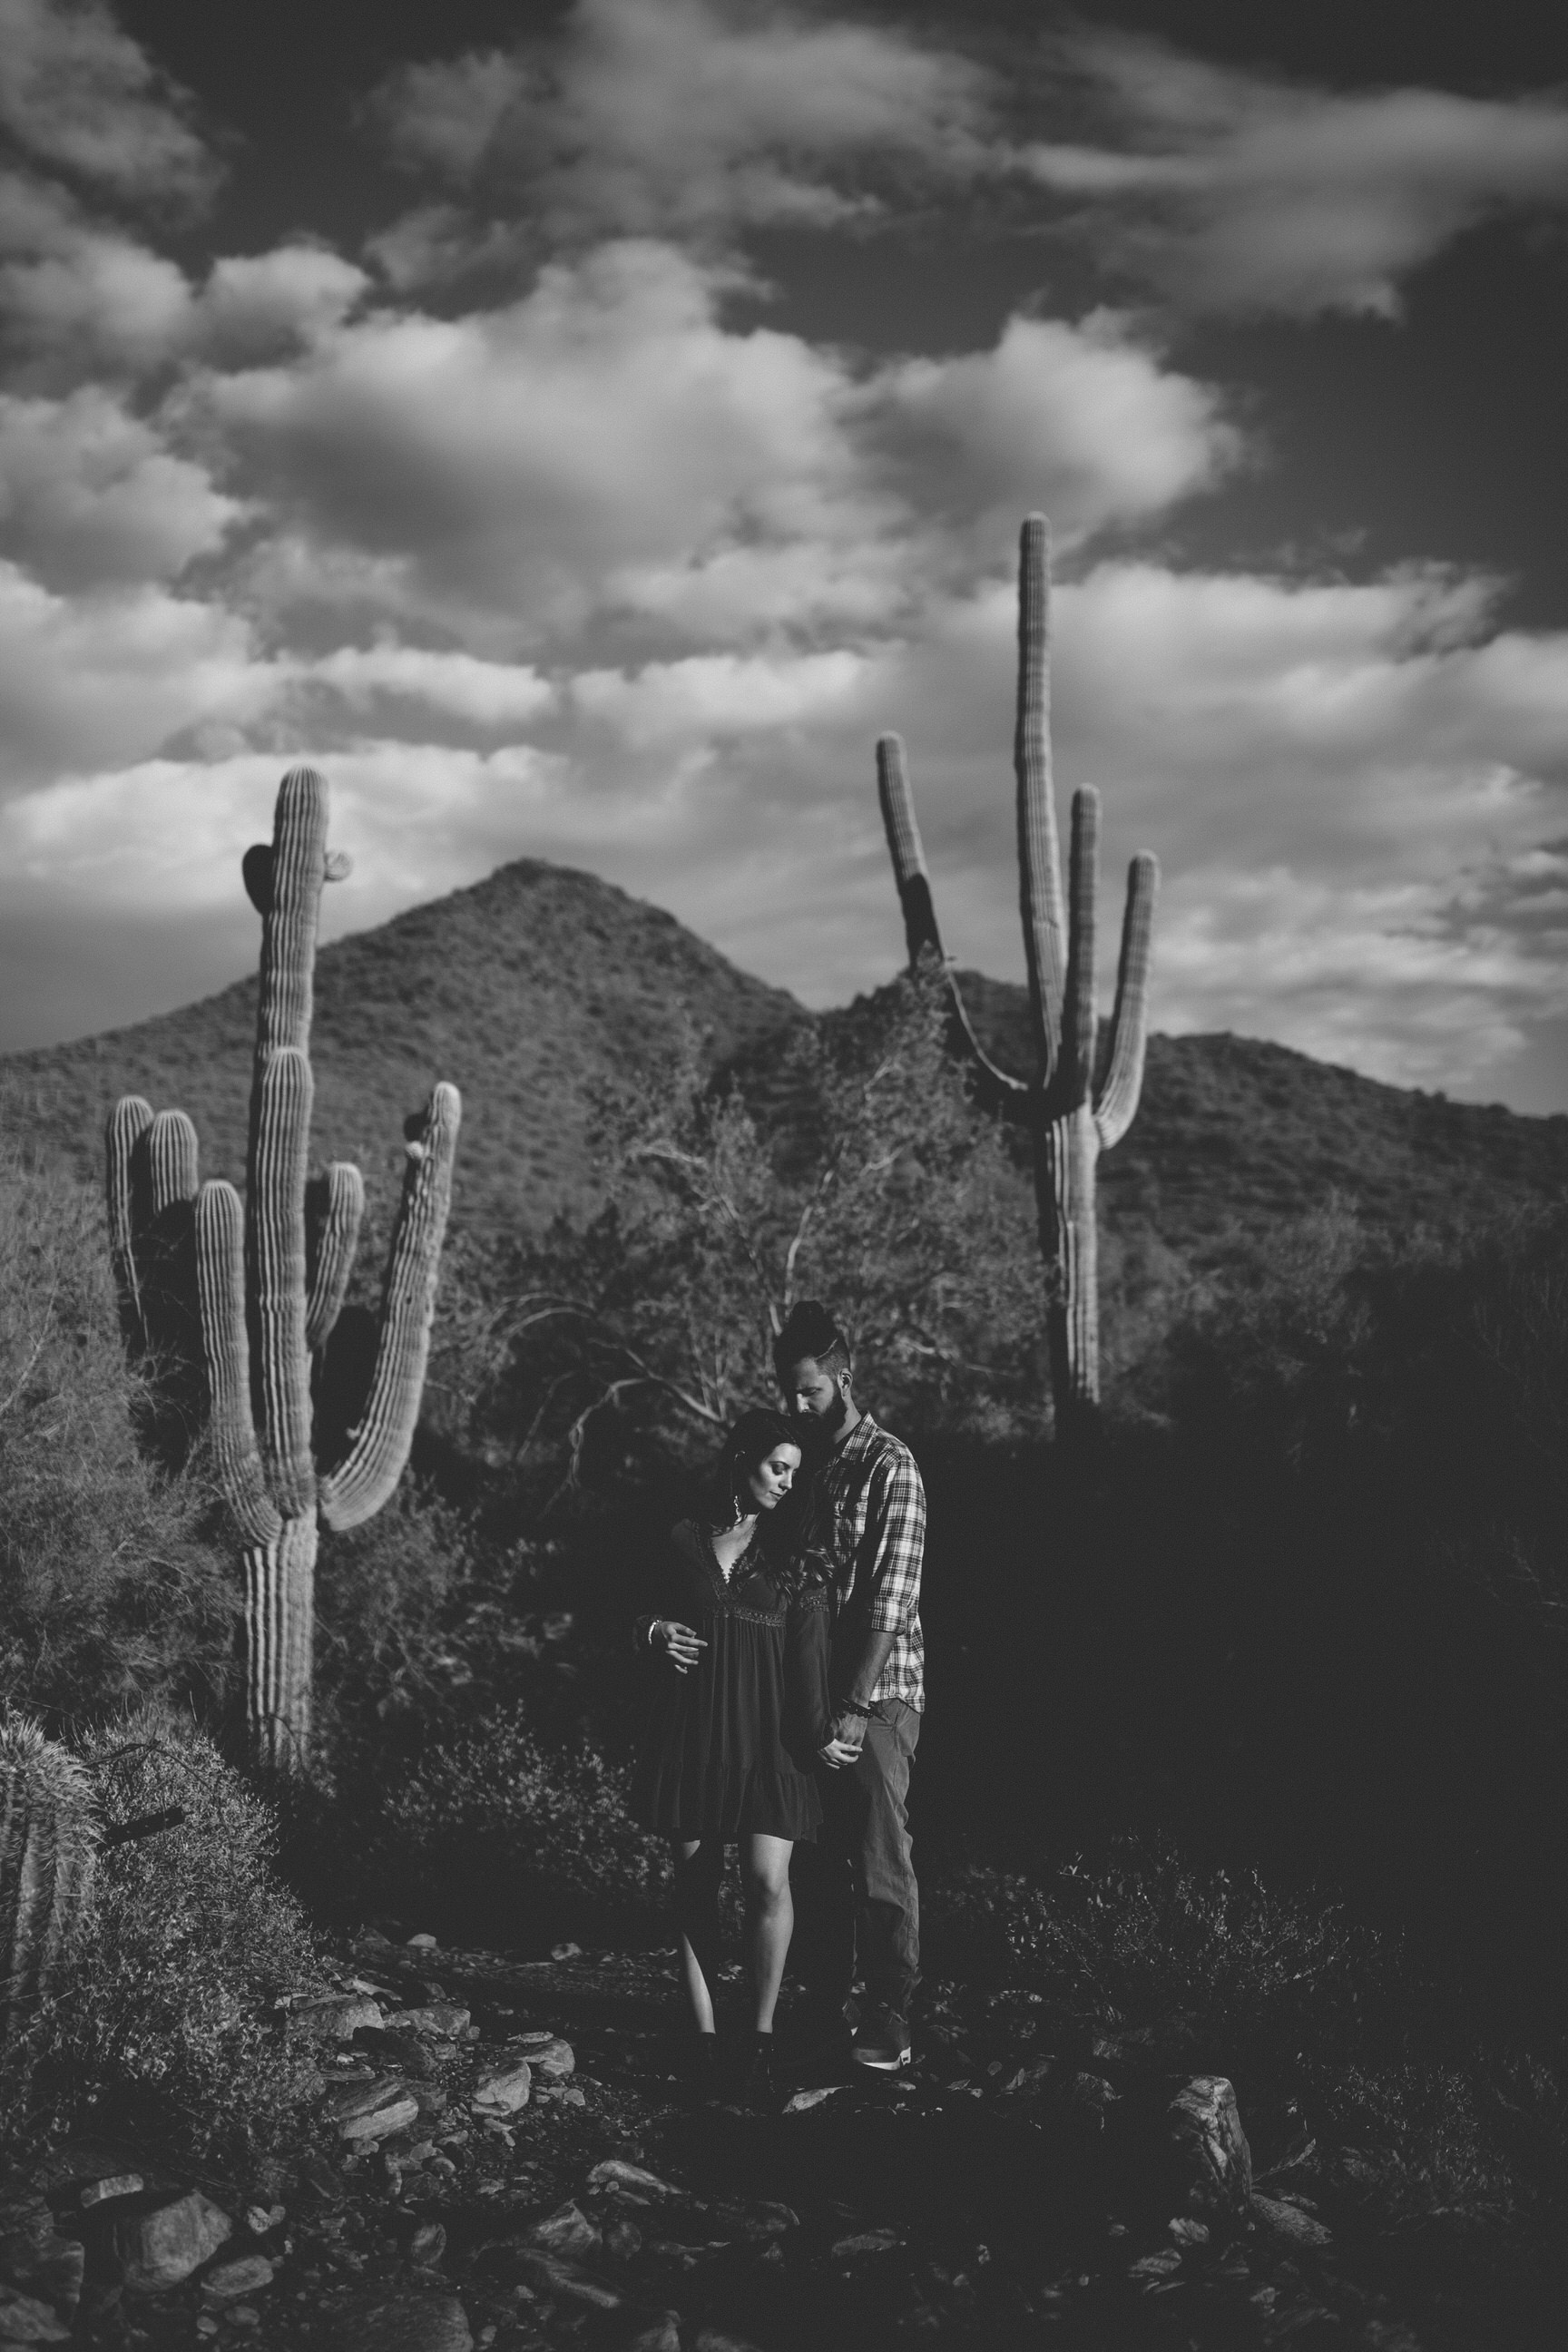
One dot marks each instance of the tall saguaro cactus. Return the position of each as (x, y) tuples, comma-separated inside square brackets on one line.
[(271, 1278), (1078, 1101)]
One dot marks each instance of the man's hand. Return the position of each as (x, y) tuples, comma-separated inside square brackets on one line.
[(681, 1645), (846, 1737)]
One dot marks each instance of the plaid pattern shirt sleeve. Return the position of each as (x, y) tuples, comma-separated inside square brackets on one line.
[(896, 1523)]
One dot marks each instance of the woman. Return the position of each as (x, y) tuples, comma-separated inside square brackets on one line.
[(743, 1694)]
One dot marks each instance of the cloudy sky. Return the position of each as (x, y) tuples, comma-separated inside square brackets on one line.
[(582, 427)]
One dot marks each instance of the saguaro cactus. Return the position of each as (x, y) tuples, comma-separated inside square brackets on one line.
[(48, 1844), (270, 1279), (1078, 1102)]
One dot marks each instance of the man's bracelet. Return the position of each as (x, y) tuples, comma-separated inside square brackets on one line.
[(849, 1707)]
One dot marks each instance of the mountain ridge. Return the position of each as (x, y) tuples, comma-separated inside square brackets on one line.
[(534, 988)]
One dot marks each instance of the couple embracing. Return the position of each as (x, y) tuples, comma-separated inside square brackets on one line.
[(788, 1706)]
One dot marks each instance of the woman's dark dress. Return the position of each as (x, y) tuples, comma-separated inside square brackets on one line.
[(728, 1747)]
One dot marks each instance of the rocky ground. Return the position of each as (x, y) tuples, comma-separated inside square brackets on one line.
[(507, 2158)]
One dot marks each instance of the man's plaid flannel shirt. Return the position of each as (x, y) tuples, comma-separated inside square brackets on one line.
[(869, 1515)]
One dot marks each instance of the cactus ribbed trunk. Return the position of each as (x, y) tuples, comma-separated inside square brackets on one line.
[(268, 1283), (47, 1845), (279, 1621), (1074, 1109)]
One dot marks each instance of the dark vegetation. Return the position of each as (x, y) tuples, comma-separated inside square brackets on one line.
[(1247, 1725)]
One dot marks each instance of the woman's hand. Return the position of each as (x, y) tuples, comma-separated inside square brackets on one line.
[(846, 1737), (681, 1645)]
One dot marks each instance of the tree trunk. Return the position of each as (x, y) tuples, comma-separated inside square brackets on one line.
[(279, 1616)]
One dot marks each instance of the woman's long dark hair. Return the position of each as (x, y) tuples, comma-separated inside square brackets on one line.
[(779, 1531)]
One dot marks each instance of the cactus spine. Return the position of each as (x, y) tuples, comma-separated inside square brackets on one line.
[(1078, 1102), (48, 1844), (270, 1281)]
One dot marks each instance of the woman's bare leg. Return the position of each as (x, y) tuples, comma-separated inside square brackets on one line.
[(770, 1921), (699, 1868)]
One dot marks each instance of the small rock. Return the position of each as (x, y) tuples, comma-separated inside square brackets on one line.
[(161, 2248), (1290, 2222), (799, 2101), (229, 2281), (1092, 2091), (337, 2019), (615, 2173), (573, 2096), (382, 2122), (34, 2257), (567, 2231), (25, 2320), (623, 2239), (347, 2100), (404, 2322), (559, 2278), (404, 2050), (318, 2176), (865, 2242), (259, 2218), (444, 2020), (565, 1951), (422, 1944), (1213, 2161), (119, 2184), (664, 2336), (715, 2339), (242, 2315), (427, 2245), (503, 2090), (550, 2058)]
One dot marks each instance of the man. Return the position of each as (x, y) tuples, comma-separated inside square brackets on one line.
[(867, 1516)]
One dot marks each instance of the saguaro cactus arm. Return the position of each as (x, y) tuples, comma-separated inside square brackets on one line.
[(128, 1123), (1039, 850), (361, 1483), (904, 849), (336, 1240), (220, 1274), (1117, 1099)]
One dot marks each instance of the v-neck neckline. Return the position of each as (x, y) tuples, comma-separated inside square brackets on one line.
[(727, 1583)]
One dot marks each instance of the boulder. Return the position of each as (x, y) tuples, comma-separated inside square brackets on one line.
[(1212, 2162), (159, 2248), (93, 2193), (631, 2178)]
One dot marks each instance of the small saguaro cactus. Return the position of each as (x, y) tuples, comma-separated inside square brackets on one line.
[(1080, 1101), (48, 1840), (271, 1277)]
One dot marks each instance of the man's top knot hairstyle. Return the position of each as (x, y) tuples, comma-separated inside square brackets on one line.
[(810, 1331)]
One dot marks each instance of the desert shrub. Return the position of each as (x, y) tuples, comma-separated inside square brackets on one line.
[(498, 1829), (1145, 1937), (168, 2022), (114, 1576)]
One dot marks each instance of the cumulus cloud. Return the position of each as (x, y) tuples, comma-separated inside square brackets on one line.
[(89, 495), (79, 95), (1238, 191), (608, 446), (694, 117)]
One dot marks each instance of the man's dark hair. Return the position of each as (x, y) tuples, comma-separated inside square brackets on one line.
[(810, 1331)]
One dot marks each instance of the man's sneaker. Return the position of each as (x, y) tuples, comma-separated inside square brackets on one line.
[(883, 2041)]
